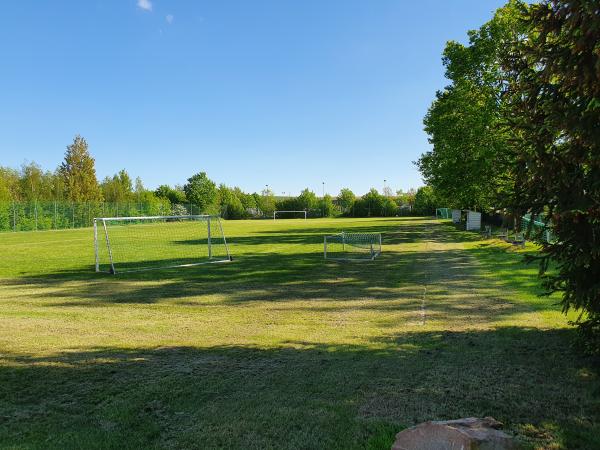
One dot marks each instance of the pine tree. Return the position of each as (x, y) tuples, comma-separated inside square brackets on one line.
[(79, 173), (554, 98)]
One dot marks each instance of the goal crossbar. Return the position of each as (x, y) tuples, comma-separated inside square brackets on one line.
[(202, 216)]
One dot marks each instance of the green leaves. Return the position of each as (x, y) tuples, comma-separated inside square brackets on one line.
[(201, 191), (554, 98), (346, 199), (79, 173), (470, 162)]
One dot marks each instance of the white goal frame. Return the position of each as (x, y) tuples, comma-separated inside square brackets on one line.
[(103, 220), (374, 245), (282, 211)]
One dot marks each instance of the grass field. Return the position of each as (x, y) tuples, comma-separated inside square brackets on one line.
[(281, 349)]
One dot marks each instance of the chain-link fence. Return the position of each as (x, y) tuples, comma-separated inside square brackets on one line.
[(31, 216), (537, 228)]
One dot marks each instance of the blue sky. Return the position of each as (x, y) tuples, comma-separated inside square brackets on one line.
[(285, 93)]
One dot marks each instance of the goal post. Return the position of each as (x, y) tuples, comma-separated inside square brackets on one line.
[(352, 246), (131, 244), (291, 214)]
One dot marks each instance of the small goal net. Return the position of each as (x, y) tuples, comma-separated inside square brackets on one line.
[(127, 244), (443, 213), (352, 246)]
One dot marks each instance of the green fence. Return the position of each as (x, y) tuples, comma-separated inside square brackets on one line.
[(31, 216), (536, 228)]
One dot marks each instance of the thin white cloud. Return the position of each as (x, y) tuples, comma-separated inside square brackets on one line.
[(146, 5), (170, 18)]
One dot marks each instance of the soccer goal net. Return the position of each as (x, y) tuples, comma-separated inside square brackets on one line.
[(443, 213), (126, 244), (289, 215), (352, 246)]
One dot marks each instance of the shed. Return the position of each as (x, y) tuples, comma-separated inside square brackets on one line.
[(473, 220)]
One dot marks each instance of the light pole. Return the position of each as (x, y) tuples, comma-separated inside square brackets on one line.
[(385, 187)]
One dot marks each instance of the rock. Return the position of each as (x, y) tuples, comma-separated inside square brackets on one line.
[(461, 434)]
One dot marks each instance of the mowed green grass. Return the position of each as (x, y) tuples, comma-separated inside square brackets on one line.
[(281, 349)]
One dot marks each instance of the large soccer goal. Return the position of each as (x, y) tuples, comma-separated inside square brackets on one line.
[(289, 215), (126, 244), (352, 246)]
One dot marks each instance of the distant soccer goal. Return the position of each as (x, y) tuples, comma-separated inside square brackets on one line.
[(443, 213), (352, 246), (289, 215), (128, 244)]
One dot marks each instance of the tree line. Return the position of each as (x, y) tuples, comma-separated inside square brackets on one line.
[(518, 130), (75, 181)]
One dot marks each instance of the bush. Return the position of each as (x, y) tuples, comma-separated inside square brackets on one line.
[(425, 201), (373, 204)]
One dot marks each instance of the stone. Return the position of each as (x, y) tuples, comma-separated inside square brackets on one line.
[(470, 433)]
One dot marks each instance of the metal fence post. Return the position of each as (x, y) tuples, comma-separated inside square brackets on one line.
[(209, 239)]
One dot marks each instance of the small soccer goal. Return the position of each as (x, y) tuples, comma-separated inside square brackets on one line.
[(289, 215), (352, 246), (443, 213), (130, 244)]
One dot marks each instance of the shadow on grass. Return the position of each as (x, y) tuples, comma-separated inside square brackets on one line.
[(463, 284), (301, 395), (458, 287), (391, 235)]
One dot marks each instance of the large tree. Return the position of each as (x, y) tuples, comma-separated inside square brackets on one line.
[(469, 163), (9, 184), (118, 188), (326, 205), (554, 98), (230, 205), (174, 195), (202, 192), (35, 183), (425, 201), (307, 200), (79, 173), (374, 204), (346, 200)]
